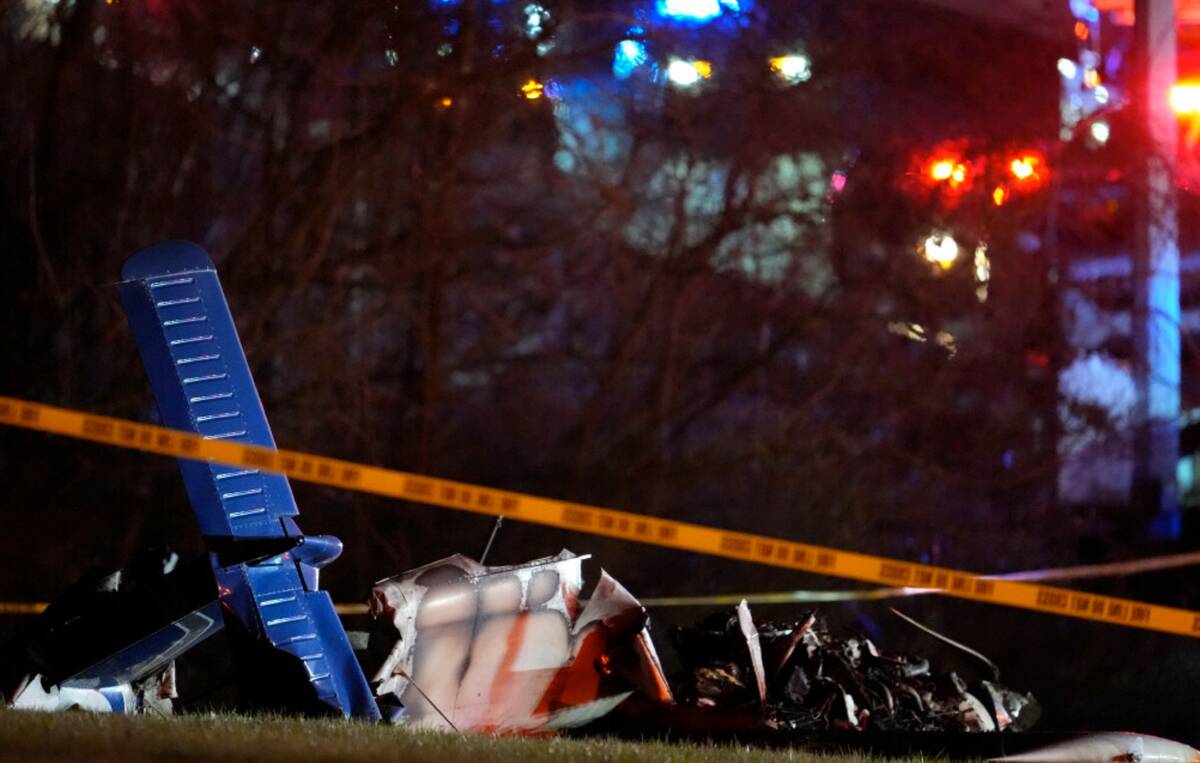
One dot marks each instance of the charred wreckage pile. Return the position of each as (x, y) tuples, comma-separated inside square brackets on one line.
[(807, 679)]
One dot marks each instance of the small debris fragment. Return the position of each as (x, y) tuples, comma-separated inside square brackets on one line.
[(1110, 747)]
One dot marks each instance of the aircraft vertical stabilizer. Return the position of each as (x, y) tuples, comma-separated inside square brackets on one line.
[(265, 567)]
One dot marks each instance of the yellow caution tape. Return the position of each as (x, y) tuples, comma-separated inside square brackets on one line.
[(601, 521), (784, 597), (1109, 569), (22, 607), (38, 607)]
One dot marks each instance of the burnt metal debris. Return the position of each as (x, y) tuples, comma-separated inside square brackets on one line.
[(817, 681), (504, 649)]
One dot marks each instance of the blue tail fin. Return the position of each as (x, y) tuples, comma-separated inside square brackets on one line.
[(202, 384)]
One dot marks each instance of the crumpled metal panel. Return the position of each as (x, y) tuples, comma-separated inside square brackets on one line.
[(202, 384), (507, 649), (36, 695)]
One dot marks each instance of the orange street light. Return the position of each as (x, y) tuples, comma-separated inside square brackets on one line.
[(532, 90)]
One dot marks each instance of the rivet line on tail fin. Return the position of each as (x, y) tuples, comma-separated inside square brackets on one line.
[(196, 359), (225, 435), (214, 396), (273, 602), (242, 493), (191, 340), (247, 513), (206, 377), (172, 282), (231, 475), (218, 416)]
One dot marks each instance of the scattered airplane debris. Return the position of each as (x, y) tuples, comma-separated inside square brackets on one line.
[(455, 643)]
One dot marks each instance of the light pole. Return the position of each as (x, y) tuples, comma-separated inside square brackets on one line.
[(1156, 311)]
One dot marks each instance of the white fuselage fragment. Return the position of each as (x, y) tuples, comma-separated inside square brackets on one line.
[(1111, 747), (507, 649)]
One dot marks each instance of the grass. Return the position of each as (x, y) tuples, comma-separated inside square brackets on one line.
[(35, 736)]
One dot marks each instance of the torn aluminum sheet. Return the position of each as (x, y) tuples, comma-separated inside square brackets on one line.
[(754, 648), (1111, 747), (508, 649)]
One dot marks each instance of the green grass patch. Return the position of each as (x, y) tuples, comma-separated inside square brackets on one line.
[(36, 736)]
